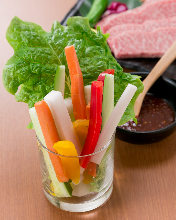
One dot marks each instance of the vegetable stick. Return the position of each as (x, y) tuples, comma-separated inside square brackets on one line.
[(102, 75), (36, 125), (88, 111), (87, 178), (63, 122), (69, 105), (59, 189), (94, 123), (114, 119), (91, 169), (109, 71), (81, 128), (71, 165), (108, 103), (87, 92), (51, 136), (77, 84), (59, 79), (81, 190), (108, 98)]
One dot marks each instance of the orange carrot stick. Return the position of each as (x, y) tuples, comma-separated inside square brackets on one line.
[(91, 169), (77, 84), (51, 136), (88, 111)]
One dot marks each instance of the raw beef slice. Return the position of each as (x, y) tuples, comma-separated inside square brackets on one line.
[(154, 11), (150, 1), (149, 25), (143, 44)]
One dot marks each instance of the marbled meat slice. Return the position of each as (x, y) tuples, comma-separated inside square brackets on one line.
[(133, 44), (149, 25), (155, 11)]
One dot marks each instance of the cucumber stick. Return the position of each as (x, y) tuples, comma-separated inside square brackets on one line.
[(60, 189), (59, 80), (108, 98)]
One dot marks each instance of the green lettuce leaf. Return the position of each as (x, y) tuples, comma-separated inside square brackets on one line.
[(29, 73)]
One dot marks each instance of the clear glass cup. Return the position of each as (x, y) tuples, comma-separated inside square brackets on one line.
[(85, 197)]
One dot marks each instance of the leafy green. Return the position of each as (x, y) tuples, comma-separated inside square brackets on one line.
[(29, 73)]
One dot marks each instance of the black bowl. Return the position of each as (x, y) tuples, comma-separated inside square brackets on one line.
[(162, 88)]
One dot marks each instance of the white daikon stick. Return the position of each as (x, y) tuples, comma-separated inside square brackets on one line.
[(69, 105), (114, 119), (87, 92), (62, 120)]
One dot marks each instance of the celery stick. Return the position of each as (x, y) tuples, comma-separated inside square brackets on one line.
[(59, 80), (108, 98), (60, 189), (36, 125), (63, 122), (110, 126)]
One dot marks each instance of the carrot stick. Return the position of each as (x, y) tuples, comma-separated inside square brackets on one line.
[(88, 111), (51, 136), (91, 169), (77, 84)]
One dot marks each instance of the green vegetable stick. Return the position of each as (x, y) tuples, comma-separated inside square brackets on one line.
[(60, 189), (108, 98), (59, 80)]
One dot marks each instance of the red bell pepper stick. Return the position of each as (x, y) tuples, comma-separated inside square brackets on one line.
[(109, 71), (101, 77), (94, 122)]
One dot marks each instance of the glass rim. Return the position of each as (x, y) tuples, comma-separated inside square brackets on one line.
[(87, 155)]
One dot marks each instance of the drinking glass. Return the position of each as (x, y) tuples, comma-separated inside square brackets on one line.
[(85, 197)]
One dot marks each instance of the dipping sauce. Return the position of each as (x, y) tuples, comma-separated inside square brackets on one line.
[(155, 113)]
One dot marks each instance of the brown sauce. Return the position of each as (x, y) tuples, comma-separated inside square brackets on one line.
[(155, 113)]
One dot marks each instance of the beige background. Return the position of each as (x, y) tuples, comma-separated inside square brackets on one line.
[(145, 176)]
